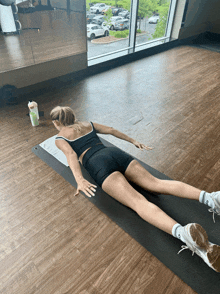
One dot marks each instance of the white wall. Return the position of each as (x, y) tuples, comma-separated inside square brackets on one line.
[(202, 16), (180, 6)]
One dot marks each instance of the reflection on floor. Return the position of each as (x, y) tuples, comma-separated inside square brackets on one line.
[(45, 35)]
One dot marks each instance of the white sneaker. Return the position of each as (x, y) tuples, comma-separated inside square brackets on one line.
[(196, 240), (216, 199)]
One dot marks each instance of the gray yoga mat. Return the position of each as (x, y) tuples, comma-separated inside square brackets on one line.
[(191, 269)]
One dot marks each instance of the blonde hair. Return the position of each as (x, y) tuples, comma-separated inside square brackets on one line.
[(65, 116)]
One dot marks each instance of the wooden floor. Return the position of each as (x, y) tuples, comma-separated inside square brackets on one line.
[(53, 242)]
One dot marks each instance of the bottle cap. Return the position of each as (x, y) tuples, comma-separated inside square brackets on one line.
[(32, 104)]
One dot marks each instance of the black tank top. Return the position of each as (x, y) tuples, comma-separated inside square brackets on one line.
[(84, 142)]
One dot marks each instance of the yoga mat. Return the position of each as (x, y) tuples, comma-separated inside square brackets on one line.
[(191, 269)]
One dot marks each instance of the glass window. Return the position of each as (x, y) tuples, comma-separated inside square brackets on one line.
[(151, 18), (116, 37)]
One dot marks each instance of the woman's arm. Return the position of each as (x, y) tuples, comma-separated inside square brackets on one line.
[(111, 131), (72, 159)]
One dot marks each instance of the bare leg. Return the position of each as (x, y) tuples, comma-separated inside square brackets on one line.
[(137, 174), (118, 187)]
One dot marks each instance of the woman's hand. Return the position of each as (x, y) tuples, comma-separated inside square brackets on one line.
[(86, 187), (142, 146)]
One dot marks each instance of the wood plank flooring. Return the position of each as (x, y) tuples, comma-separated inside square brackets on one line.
[(53, 242)]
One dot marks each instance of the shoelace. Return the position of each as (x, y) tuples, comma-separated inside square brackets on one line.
[(213, 211), (185, 247), (216, 209)]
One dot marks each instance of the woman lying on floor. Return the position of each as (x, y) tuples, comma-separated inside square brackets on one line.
[(112, 169)]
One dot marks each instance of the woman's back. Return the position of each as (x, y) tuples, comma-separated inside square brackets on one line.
[(81, 138), (76, 131)]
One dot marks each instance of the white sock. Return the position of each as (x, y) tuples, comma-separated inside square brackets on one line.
[(177, 232), (206, 199)]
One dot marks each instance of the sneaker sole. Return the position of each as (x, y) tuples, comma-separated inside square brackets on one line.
[(214, 257), (200, 237)]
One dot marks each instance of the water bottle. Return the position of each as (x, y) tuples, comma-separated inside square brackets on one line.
[(33, 108), (34, 114), (34, 119)]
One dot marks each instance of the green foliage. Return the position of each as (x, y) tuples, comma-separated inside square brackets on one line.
[(126, 4), (138, 31), (147, 7), (107, 2), (162, 23), (119, 34), (107, 17)]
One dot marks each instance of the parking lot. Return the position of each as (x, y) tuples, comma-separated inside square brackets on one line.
[(95, 49)]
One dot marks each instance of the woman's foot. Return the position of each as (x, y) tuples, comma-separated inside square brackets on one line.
[(212, 200), (196, 240), (215, 196)]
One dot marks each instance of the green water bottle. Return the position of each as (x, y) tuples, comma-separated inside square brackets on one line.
[(34, 119)]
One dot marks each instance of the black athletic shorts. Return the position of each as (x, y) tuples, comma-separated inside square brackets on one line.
[(106, 161)]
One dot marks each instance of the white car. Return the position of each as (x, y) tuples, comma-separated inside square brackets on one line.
[(98, 19), (113, 21), (98, 7), (153, 19), (124, 13), (122, 25), (94, 30)]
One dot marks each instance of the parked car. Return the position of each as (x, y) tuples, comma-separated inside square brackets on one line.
[(124, 13), (153, 19), (98, 7), (127, 15), (113, 21), (105, 10), (97, 22), (90, 17), (94, 31), (100, 23), (117, 10), (122, 25), (99, 17)]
